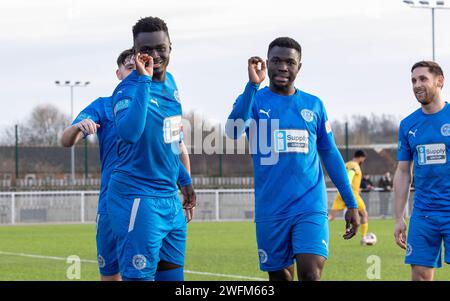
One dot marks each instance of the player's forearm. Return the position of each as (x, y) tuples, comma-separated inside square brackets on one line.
[(402, 182), (239, 116), (335, 166), (71, 136), (130, 123)]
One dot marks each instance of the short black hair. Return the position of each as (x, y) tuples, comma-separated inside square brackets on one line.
[(150, 24), (433, 67), (360, 153), (123, 56), (287, 43)]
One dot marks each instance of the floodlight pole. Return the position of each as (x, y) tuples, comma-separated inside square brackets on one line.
[(426, 4), (67, 83), (432, 30)]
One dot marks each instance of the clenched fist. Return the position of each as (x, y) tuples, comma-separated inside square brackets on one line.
[(144, 64), (256, 69)]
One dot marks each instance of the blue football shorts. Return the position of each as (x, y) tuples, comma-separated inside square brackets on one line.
[(106, 246), (148, 230), (425, 237), (280, 240)]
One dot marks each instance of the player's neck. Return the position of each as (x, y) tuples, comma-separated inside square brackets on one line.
[(159, 77), (285, 91), (434, 106)]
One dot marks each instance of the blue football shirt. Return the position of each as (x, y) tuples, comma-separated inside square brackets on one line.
[(425, 140), (148, 122), (286, 134)]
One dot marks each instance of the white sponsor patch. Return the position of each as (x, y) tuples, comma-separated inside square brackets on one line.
[(291, 141), (172, 129), (431, 154)]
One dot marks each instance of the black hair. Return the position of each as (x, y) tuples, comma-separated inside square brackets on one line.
[(433, 67), (360, 153), (123, 56), (287, 43), (150, 24)]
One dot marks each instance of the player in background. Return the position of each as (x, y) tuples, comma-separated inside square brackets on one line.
[(354, 175), (142, 195), (97, 118), (290, 193), (424, 146)]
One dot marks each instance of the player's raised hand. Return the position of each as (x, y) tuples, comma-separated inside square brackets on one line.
[(400, 233), (144, 64), (189, 201), (87, 126), (256, 69), (352, 222)]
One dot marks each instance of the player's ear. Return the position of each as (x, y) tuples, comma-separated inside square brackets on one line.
[(118, 74), (441, 81), (299, 66)]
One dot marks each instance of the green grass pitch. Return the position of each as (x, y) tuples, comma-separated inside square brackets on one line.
[(222, 250)]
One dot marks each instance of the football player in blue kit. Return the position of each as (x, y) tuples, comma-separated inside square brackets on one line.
[(288, 129), (97, 118), (149, 221), (424, 145)]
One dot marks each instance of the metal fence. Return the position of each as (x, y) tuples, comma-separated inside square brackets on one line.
[(212, 205), (31, 183)]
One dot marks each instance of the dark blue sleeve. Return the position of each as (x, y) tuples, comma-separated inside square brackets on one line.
[(92, 111), (130, 104), (183, 176), (332, 159), (403, 151), (335, 166), (241, 114)]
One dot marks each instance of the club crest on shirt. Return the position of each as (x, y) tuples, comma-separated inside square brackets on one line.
[(445, 130), (307, 115)]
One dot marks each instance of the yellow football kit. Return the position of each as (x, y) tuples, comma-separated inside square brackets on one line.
[(354, 170)]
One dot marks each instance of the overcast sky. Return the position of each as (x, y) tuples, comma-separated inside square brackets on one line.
[(357, 54)]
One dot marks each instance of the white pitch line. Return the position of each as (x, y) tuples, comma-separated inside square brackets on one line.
[(43, 257), (224, 275), (94, 261)]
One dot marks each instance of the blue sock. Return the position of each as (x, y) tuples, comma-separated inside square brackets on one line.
[(170, 275)]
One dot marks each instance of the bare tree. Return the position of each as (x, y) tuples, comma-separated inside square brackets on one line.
[(44, 127), (373, 129)]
